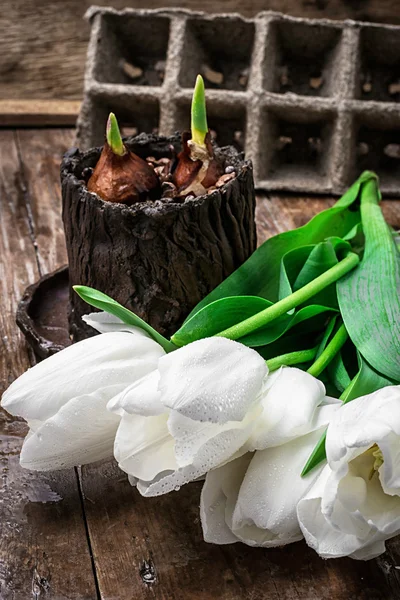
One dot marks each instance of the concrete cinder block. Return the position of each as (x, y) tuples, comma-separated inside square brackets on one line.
[(311, 102)]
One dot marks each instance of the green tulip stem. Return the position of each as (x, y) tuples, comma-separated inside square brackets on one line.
[(329, 352), (291, 358), (295, 299)]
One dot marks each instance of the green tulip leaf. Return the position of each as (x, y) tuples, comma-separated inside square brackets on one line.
[(113, 136), (293, 341), (291, 264), (260, 275), (337, 372), (104, 302), (369, 296), (302, 265), (199, 125), (326, 337), (228, 311), (270, 333), (218, 315)]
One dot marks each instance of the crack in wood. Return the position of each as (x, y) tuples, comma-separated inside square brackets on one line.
[(78, 472), (43, 546)]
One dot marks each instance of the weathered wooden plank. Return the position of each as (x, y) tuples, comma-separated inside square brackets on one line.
[(41, 151), (50, 65), (15, 251), (34, 113), (153, 548), (277, 213), (43, 544)]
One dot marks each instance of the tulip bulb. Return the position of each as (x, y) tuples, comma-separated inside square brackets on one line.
[(120, 175), (197, 169)]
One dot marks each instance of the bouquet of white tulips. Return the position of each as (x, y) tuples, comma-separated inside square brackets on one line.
[(281, 390)]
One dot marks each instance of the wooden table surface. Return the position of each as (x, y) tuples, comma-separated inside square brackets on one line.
[(43, 45), (86, 534)]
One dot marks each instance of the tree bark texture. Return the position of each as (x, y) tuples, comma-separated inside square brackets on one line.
[(157, 258)]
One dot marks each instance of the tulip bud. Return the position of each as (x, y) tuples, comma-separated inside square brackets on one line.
[(197, 169), (120, 175)]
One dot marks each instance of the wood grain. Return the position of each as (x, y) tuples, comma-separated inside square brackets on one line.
[(34, 113), (43, 544), (142, 548), (152, 548), (41, 151), (43, 43)]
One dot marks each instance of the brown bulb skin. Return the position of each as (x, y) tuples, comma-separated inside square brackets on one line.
[(125, 179), (187, 169)]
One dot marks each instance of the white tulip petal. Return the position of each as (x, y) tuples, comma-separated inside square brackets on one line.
[(218, 445), (143, 446), (353, 493), (34, 425), (218, 496), (367, 423), (372, 550), (215, 380), (140, 398), (265, 511), (105, 323), (361, 423), (95, 363), (342, 504), (354, 503), (294, 404), (330, 533), (168, 481), (208, 445), (133, 480), (81, 432), (349, 512), (389, 472), (317, 531)]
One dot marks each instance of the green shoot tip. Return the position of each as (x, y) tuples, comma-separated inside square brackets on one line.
[(199, 115), (113, 135)]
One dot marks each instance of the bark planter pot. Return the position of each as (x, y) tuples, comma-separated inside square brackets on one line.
[(158, 258)]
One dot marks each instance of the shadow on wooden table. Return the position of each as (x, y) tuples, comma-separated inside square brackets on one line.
[(169, 559), (139, 548)]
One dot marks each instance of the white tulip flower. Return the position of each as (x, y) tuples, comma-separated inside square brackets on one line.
[(354, 505), (253, 499), (64, 397), (195, 413)]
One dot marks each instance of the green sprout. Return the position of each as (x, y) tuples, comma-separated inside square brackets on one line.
[(113, 135), (199, 115)]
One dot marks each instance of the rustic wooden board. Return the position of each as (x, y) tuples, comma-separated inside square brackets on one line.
[(142, 548), (148, 548), (43, 43), (41, 152), (43, 542), (152, 548), (34, 113)]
